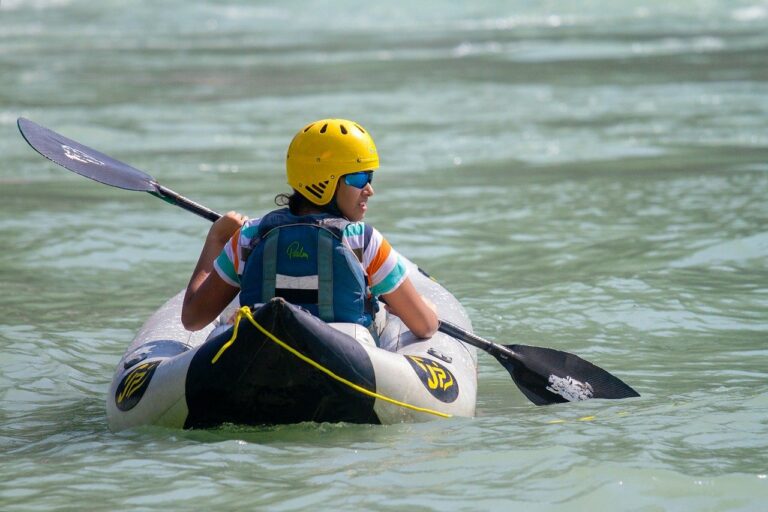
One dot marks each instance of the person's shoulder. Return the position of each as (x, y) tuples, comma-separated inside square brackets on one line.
[(250, 228), (360, 230), (252, 222)]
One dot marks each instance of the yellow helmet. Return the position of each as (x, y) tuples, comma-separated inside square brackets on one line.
[(325, 150)]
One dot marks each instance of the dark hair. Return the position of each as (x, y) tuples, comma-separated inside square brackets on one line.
[(297, 203), (300, 205)]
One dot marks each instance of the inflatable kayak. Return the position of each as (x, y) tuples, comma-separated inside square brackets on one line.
[(278, 364)]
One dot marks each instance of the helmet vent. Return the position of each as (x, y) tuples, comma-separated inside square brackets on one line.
[(359, 127), (308, 127), (312, 191), (343, 129), (317, 189), (325, 127)]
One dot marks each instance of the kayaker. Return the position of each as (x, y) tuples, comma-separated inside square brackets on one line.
[(316, 251)]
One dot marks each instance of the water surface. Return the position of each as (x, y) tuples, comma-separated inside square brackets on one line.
[(584, 176)]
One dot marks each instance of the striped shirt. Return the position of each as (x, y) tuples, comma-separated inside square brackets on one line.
[(383, 266)]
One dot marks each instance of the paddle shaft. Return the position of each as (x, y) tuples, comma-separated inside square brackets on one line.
[(171, 197), (457, 332)]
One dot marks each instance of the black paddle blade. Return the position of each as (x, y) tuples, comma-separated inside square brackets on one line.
[(548, 376), (84, 160)]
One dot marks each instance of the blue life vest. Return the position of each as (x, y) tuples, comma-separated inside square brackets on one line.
[(303, 260)]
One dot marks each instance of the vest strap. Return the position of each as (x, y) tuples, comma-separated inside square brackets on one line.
[(325, 275), (269, 269)]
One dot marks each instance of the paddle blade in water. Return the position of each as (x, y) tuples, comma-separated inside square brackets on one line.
[(547, 376), (84, 160)]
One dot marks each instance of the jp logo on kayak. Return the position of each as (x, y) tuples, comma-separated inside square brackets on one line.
[(133, 386), (438, 379), (79, 156)]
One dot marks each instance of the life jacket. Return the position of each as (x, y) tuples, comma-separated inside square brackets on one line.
[(303, 260)]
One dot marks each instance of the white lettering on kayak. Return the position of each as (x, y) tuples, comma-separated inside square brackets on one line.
[(570, 388), (79, 156)]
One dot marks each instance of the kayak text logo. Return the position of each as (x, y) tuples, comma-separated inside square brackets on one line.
[(79, 156)]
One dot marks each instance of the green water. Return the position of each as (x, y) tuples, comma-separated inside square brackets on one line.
[(588, 176)]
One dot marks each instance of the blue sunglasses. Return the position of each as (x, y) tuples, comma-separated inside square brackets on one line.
[(359, 179)]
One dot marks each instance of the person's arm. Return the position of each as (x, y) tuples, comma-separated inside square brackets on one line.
[(208, 294), (413, 309), (388, 279)]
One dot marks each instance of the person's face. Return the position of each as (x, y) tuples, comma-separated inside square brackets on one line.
[(352, 198)]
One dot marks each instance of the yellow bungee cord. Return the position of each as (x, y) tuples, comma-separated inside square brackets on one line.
[(245, 312)]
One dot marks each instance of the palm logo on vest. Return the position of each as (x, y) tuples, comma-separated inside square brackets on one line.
[(438, 379), (296, 250)]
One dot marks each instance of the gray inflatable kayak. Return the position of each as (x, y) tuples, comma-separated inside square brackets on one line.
[(278, 364)]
